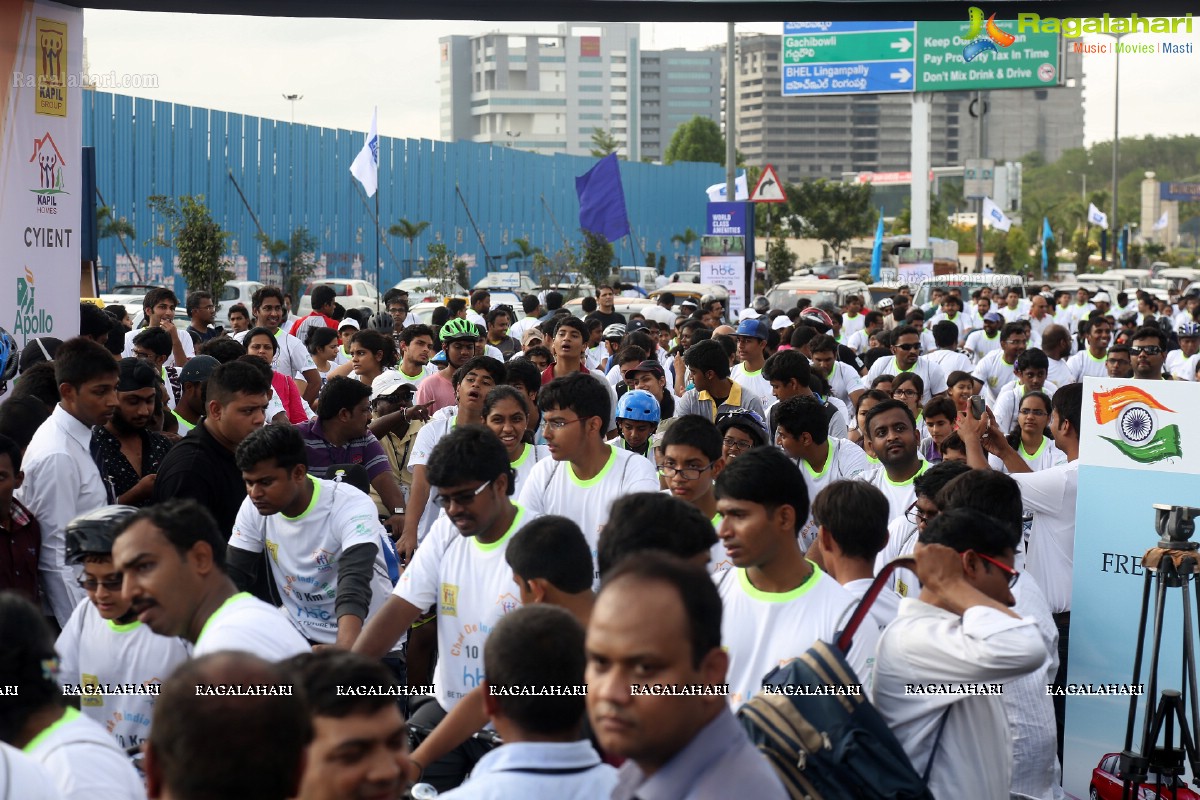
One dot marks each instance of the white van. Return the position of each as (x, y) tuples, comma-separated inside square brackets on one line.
[(641, 277)]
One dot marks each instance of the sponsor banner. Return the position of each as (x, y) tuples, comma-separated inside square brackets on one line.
[(1140, 446), (723, 262), (41, 190)]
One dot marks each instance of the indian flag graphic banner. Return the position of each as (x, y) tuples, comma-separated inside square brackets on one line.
[(1131, 412)]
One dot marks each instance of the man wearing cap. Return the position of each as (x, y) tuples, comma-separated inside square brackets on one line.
[(395, 423), (980, 343), (346, 328), (131, 452), (531, 337), (752, 335), (339, 434), (192, 380), (1102, 302)]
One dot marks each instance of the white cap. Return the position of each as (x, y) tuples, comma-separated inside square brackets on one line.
[(348, 322), (1102, 297), (387, 382), (747, 313), (781, 322)]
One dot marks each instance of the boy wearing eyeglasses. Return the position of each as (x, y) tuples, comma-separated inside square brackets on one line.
[(691, 459), (108, 661)]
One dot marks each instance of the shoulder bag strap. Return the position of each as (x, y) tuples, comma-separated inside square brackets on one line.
[(937, 740)]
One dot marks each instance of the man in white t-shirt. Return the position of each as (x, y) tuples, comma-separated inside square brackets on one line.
[(416, 348), (159, 307), (947, 356), (844, 383), (172, 555), (103, 645), (803, 433), (980, 343), (995, 370), (952, 310), (852, 527), (752, 335), (906, 357), (1091, 360), (291, 357), (79, 756), (584, 474), (323, 539), (960, 632), (859, 341), (895, 440), (461, 571), (776, 602)]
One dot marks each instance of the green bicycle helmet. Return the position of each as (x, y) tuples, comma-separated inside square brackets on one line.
[(457, 329)]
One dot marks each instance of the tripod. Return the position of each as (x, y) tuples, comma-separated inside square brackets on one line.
[(1173, 564)]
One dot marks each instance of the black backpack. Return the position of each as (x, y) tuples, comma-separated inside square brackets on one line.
[(833, 746)]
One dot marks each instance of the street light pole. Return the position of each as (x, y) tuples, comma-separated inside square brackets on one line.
[(292, 98), (1112, 221), (512, 137)]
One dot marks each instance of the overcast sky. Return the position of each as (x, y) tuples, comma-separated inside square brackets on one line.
[(345, 67)]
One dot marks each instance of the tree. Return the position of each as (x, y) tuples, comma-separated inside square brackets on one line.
[(652, 260), (832, 212), (438, 265), (597, 258), (780, 261), (1084, 248), (107, 225), (410, 231), (603, 143), (461, 272), (699, 139), (688, 238), (294, 259), (197, 240), (523, 253)]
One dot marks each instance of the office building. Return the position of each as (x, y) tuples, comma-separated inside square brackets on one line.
[(677, 85)]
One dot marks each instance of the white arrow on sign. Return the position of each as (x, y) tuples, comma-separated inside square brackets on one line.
[(901, 75), (902, 45)]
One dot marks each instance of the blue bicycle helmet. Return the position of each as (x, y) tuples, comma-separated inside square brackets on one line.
[(638, 405)]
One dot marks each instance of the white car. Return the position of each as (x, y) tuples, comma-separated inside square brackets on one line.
[(350, 294), (235, 292), (427, 290), (129, 295), (512, 281)]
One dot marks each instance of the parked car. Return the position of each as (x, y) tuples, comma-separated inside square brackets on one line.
[(350, 293), (686, 276), (621, 305), (234, 292), (517, 282), (818, 291), (640, 277), (1107, 784), (182, 320), (427, 290), (129, 295), (967, 282), (693, 291)]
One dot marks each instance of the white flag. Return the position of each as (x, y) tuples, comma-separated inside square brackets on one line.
[(1097, 217), (1162, 222), (993, 216), (716, 192), (366, 163)]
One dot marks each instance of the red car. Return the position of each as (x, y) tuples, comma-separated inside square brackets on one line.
[(1106, 784)]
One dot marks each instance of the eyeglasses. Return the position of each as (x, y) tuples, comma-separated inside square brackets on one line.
[(908, 347), (1032, 412), (1015, 342), (112, 584), (905, 393), (1118, 361), (1012, 573), (916, 516), (559, 424), (736, 445), (462, 498), (690, 473), (1148, 349)]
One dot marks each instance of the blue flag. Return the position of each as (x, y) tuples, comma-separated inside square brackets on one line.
[(602, 201), (877, 250), (1046, 234), (1123, 245)]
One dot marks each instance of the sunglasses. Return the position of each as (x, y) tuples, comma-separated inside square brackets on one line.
[(112, 584), (907, 347), (1148, 349), (1012, 573), (464, 499)]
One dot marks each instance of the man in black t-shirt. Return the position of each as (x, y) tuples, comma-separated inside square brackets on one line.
[(604, 311)]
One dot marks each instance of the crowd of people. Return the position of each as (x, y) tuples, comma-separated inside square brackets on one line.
[(525, 553)]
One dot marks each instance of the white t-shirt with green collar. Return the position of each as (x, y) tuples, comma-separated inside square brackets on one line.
[(304, 553), (900, 494), (553, 488), (96, 652), (763, 630), (470, 585), (247, 624), (83, 761), (845, 460), (755, 383)]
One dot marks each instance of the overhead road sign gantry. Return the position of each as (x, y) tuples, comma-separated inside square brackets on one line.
[(822, 58)]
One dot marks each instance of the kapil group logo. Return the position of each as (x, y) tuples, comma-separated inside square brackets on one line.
[(1133, 415), (991, 33), (31, 320), (50, 181), (50, 98)]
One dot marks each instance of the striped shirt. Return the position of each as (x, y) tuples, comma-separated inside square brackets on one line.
[(322, 454)]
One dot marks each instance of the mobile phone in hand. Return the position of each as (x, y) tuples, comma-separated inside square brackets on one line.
[(977, 406)]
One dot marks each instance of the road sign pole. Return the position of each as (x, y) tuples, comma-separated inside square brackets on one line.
[(979, 104), (920, 170)]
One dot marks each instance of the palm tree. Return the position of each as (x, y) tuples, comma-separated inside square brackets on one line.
[(688, 238), (410, 231), (108, 225), (524, 251)]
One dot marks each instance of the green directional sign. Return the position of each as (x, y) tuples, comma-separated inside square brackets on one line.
[(1031, 60), (843, 47)]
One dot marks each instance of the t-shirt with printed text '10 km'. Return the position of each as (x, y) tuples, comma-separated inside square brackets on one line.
[(553, 488), (470, 586)]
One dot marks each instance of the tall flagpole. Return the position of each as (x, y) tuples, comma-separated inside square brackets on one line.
[(378, 236)]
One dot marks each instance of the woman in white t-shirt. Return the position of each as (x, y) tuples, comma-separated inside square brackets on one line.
[(370, 354), (908, 387), (506, 412), (1029, 437), (322, 344)]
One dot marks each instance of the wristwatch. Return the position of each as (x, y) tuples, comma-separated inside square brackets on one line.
[(397, 510)]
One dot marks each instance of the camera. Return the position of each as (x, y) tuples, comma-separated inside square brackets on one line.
[(1175, 524)]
